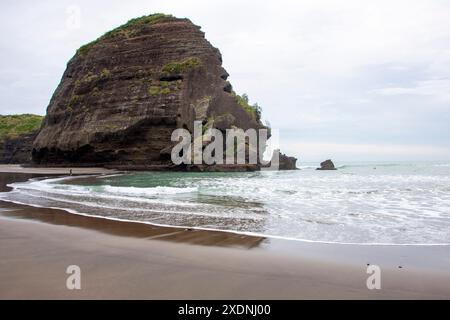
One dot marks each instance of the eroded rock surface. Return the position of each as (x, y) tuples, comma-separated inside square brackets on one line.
[(327, 165), (122, 95), (17, 150)]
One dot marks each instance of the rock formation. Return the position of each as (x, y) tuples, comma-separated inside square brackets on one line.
[(17, 150), (17, 133), (284, 162), (327, 165), (123, 94), (287, 163)]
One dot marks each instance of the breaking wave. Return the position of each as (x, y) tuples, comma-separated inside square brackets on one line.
[(395, 204)]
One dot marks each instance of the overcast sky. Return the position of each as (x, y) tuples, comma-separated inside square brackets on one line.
[(350, 79)]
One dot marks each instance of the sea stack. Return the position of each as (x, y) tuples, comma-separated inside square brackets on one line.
[(122, 96), (287, 162), (280, 161), (327, 165)]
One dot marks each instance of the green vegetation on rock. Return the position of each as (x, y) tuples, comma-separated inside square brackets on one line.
[(89, 77), (156, 90), (105, 73), (181, 66), (153, 90), (253, 110), (95, 92), (12, 126), (74, 100), (161, 87), (164, 84), (125, 30)]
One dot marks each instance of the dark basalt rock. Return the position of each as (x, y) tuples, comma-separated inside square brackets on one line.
[(17, 150), (327, 165), (287, 163), (284, 162), (122, 95)]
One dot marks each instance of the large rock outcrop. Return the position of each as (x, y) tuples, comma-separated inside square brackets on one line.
[(17, 150), (17, 133), (287, 163), (280, 161), (122, 95), (327, 165)]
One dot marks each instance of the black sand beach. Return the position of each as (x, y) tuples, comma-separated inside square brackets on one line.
[(125, 260)]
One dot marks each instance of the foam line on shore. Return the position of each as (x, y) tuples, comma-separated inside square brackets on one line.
[(252, 234), (90, 204)]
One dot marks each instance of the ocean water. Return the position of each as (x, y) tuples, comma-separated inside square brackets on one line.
[(361, 203)]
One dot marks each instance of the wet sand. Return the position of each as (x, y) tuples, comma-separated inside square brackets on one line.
[(15, 168), (121, 260)]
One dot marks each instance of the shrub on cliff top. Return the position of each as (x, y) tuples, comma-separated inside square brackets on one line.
[(253, 110), (14, 125), (125, 29)]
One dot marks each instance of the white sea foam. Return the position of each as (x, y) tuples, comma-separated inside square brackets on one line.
[(395, 204), (255, 234), (147, 191), (307, 167)]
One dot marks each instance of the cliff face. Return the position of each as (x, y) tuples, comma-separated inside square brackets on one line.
[(17, 133), (122, 95), (17, 150)]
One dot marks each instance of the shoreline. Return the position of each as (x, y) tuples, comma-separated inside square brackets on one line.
[(35, 256), (406, 267), (17, 168), (233, 232), (87, 175)]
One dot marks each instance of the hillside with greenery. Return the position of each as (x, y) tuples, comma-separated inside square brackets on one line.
[(126, 30), (14, 125)]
